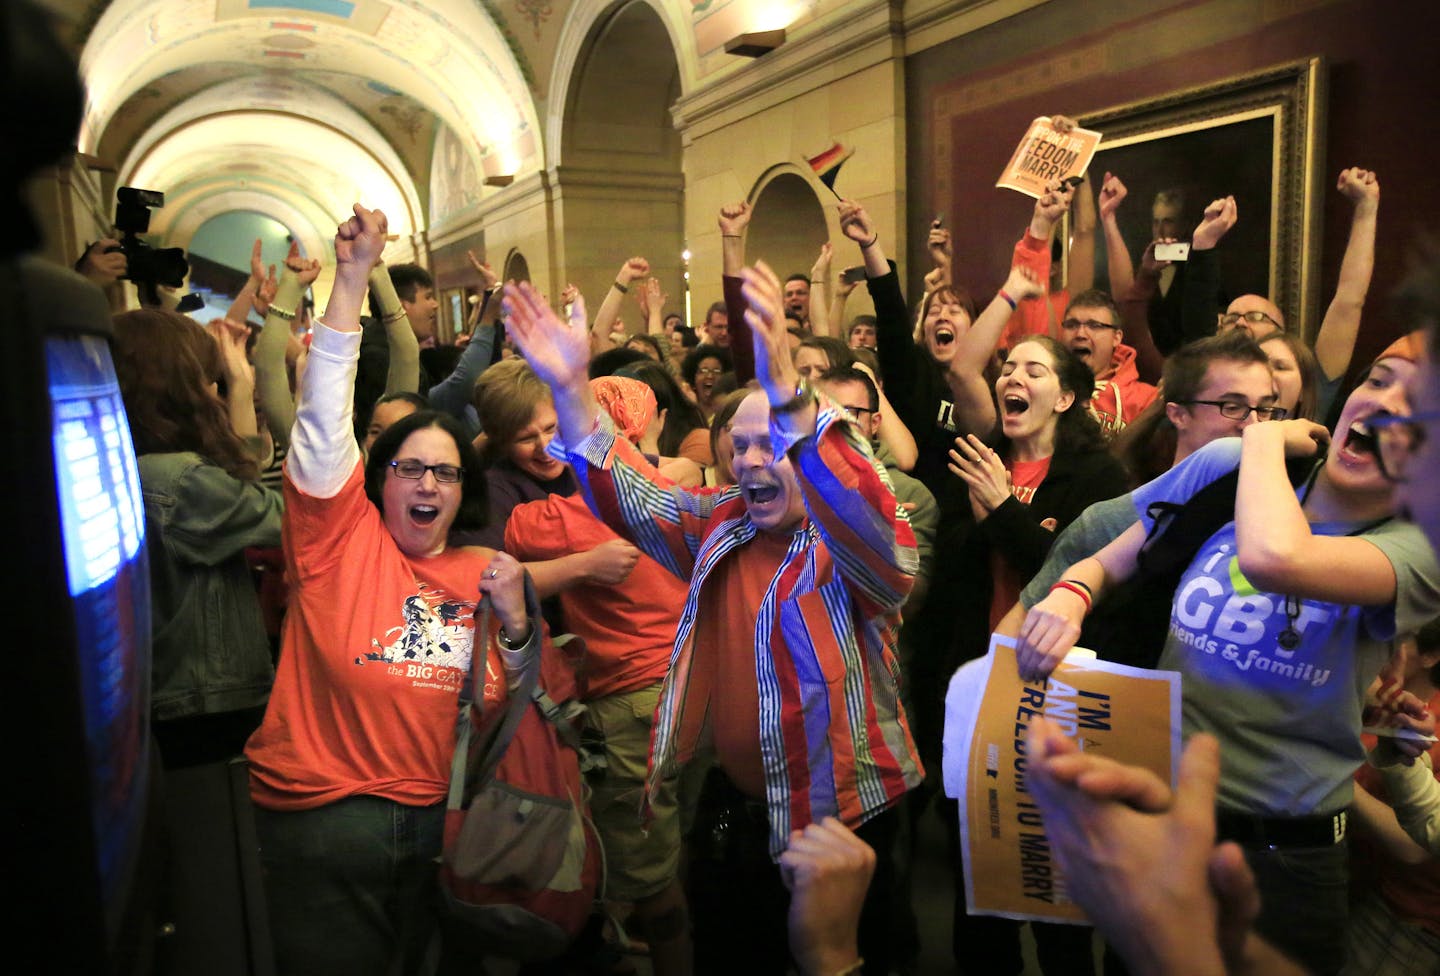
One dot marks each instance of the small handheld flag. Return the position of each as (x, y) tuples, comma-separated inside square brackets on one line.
[(827, 164)]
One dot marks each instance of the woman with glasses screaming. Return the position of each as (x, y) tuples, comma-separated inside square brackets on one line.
[(350, 767)]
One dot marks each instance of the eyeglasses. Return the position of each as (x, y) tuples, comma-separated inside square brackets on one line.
[(1253, 318), (1090, 325), (1236, 410), (856, 411), (1396, 438), (708, 371), (413, 470)]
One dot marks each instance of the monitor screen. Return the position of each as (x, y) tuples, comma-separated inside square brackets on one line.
[(103, 527)]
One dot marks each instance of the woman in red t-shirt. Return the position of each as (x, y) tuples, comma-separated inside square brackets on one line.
[(350, 767)]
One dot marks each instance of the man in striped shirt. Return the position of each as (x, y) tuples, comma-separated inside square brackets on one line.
[(784, 666)]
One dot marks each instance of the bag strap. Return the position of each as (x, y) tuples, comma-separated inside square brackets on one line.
[(461, 768)]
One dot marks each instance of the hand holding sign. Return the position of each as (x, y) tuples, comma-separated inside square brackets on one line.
[(1053, 150)]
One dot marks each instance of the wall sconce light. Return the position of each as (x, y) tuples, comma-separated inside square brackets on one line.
[(504, 179), (756, 43)]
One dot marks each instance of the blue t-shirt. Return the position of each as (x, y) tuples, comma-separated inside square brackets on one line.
[(1288, 719)]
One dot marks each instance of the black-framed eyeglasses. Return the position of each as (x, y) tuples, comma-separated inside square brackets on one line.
[(856, 411), (1090, 325), (1397, 438), (1253, 318), (413, 470), (1235, 410)]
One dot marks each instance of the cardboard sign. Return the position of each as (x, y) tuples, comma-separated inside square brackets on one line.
[(1045, 156), (1127, 714)]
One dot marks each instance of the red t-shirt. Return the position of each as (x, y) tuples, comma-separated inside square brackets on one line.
[(723, 672), (1025, 477), (629, 630), (376, 648)]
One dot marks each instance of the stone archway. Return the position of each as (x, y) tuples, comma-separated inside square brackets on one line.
[(788, 223), (618, 185), (516, 267)]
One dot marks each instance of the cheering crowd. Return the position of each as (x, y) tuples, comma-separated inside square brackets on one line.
[(777, 534)]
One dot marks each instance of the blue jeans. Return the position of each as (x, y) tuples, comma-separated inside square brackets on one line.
[(350, 885)]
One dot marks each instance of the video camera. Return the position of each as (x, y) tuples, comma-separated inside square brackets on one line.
[(147, 266)]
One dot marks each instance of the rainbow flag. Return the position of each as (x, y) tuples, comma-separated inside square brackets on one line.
[(828, 163)]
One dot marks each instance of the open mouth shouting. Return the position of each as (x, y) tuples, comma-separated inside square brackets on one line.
[(424, 514), (759, 492), (1014, 405), (1359, 445)]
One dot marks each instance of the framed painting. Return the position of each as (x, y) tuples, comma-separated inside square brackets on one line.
[(1257, 137)]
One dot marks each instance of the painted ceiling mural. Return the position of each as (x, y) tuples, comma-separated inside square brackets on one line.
[(416, 102)]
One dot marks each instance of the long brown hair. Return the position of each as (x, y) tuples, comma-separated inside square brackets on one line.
[(165, 363)]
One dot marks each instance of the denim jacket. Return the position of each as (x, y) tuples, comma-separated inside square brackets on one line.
[(210, 650)]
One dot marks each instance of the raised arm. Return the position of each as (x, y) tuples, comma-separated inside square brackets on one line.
[(452, 394), (974, 398), (323, 451), (652, 303), (620, 486), (239, 380), (1199, 307), (631, 271), (403, 372), (858, 226), (1335, 342), (1031, 315), (1276, 549), (837, 307), (1135, 315), (1080, 262), (820, 292), (900, 358), (733, 220), (272, 380), (1117, 254), (846, 494)]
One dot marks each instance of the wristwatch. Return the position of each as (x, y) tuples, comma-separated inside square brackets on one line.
[(804, 396)]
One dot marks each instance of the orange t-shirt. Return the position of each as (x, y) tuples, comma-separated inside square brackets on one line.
[(1025, 477), (724, 656), (629, 629), (376, 649)]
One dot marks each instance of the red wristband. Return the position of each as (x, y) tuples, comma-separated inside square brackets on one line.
[(1079, 589)]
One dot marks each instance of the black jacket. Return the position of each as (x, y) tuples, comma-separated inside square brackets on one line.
[(954, 625)]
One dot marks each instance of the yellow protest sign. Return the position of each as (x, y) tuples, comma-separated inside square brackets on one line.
[(1045, 156), (1127, 714)]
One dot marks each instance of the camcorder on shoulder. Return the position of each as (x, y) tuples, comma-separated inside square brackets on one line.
[(148, 267)]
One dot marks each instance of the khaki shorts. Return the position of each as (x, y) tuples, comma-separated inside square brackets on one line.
[(639, 863)]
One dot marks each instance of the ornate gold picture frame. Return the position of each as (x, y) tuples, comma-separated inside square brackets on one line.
[(1258, 136)]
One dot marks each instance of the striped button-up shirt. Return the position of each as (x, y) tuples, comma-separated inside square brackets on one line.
[(834, 740)]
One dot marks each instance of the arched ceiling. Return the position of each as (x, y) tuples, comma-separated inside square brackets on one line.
[(301, 107), (296, 108)]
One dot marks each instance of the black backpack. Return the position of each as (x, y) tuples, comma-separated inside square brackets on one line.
[(1129, 622)]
